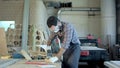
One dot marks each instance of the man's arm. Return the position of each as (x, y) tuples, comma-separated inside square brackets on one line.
[(52, 35), (66, 41), (60, 53)]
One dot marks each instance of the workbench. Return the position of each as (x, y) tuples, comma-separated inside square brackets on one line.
[(112, 64), (34, 64)]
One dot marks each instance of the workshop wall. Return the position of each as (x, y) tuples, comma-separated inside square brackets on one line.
[(11, 10), (83, 23)]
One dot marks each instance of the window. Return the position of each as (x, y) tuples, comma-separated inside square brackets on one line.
[(6, 24)]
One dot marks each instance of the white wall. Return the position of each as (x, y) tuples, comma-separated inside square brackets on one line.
[(11, 10), (83, 23)]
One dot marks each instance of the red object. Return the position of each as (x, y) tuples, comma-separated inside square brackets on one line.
[(90, 36), (84, 53), (99, 41), (36, 63)]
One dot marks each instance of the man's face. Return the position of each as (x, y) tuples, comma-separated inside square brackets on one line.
[(54, 28)]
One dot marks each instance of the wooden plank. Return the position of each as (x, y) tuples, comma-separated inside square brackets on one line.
[(3, 44), (25, 54)]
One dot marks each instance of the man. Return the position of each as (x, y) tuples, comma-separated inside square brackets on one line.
[(70, 44)]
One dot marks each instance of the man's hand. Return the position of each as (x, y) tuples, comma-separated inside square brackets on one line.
[(53, 59), (60, 53)]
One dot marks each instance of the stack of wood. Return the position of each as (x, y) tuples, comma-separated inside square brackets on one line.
[(3, 44)]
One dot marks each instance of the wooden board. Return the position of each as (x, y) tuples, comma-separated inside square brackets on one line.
[(112, 64), (3, 44), (25, 54), (34, 64)]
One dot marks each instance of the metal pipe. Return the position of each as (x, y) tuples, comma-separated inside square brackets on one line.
[(78, 9)]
